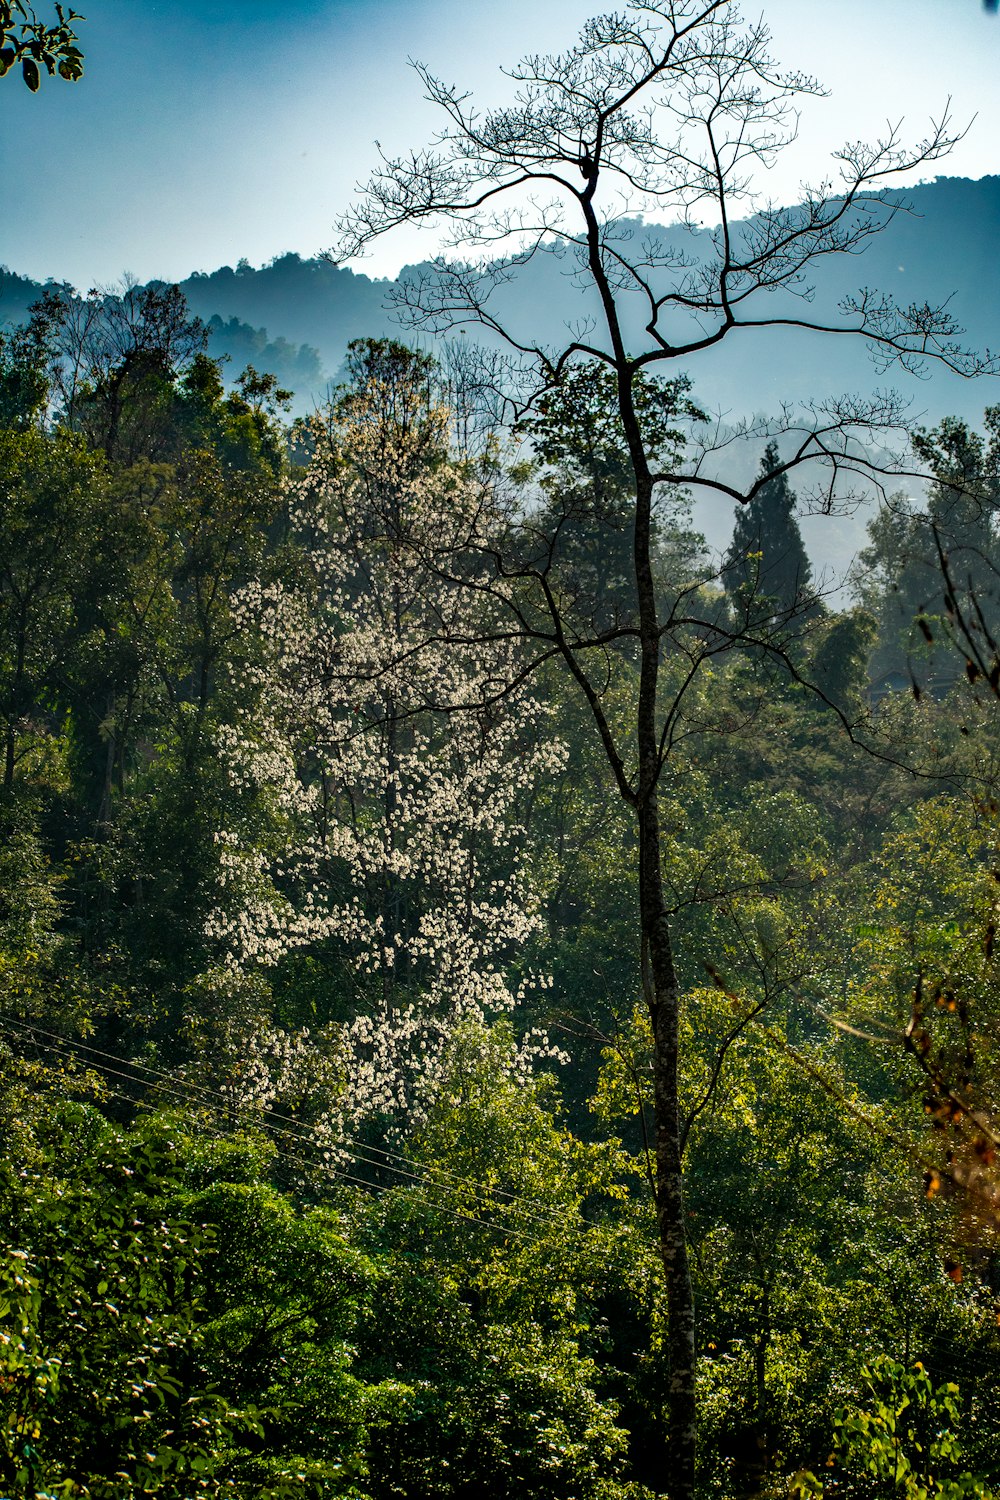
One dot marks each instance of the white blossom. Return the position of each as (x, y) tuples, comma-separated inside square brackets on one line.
[(395, 752)]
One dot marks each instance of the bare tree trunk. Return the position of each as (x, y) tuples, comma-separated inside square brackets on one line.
[(662, 996), (664, 1006), (624, 109)]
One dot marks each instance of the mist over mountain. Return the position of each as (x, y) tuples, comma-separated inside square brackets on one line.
[(308, 302), (941, 250), (295, 316)]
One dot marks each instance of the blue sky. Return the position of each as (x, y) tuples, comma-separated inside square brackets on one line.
[(206, 130)]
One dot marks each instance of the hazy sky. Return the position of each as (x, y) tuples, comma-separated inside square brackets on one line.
[(207, 130)]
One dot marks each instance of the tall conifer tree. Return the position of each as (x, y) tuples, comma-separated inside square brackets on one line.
[(767, 558)]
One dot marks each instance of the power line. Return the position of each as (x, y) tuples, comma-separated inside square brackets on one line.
[(186, 1094), (781, 1323), (376, 1156), (304, 1162), (926, 1340)]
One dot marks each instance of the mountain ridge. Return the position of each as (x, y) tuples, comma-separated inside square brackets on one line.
[(295, 316)]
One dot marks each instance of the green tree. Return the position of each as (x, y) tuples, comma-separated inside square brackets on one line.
[(121, 351), (903, 1442), (26, 355), (670, 105), (514, 1284), (766, 567), (101, 1324), (930, 575), (50, 491), (583, 526), (838, 661)]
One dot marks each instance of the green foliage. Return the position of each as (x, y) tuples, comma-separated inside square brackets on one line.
[(900, 577), (173, 1318), (575, 428), (25, 356), (50, 495), (123, 548), (103, 1388), (501, 1273), (838, 663), (903, 1441), (38, 44), (243, 1299), (283, 1298), (239, 428), (583, 528)]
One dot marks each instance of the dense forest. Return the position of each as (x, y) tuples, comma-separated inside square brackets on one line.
[(497, 1000)]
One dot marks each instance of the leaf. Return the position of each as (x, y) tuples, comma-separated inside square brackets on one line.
[(7, 56), (32, 76)]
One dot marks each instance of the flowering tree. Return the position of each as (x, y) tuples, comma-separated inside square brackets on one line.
[(395, 767)]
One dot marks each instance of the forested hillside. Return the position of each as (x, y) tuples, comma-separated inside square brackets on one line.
[(322, 1006), (294, 318), (497, 999), (941, 249)]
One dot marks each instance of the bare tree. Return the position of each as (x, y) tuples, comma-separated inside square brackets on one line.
[(117, 351), (670, 109)]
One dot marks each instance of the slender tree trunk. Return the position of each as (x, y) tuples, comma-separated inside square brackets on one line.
[(10, 742), (671, 1212), (663, 999), (664, 1007), (660, 976)]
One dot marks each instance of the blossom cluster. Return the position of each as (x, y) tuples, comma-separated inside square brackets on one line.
[(396, 744)]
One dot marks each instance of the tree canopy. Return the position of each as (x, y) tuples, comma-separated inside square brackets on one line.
[(496, 1002)]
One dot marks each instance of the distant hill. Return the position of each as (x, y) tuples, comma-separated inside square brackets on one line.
[(308, 302), (943, 250), (298, 367), (17, 293), (295, 317)]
